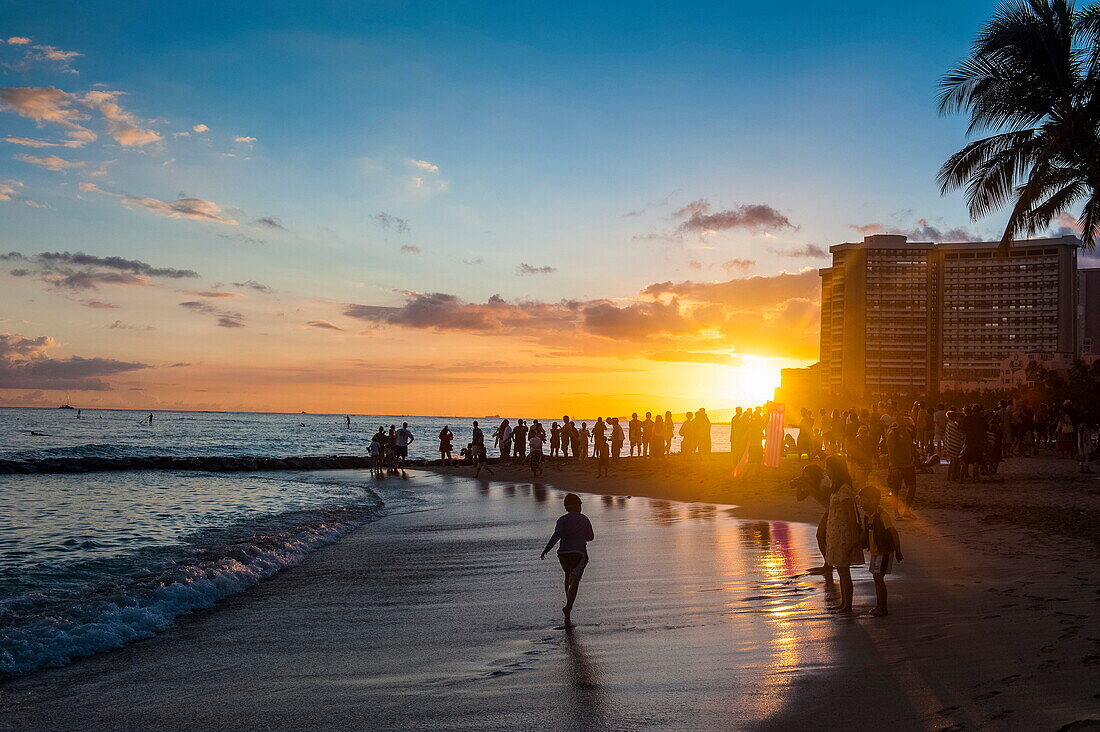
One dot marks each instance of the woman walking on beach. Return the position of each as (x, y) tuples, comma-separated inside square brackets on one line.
[(843, 538), (574, 531)]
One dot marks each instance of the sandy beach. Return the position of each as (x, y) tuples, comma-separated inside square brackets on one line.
[(694, 614)]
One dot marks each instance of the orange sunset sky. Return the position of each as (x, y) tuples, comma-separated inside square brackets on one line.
[(426, 209)]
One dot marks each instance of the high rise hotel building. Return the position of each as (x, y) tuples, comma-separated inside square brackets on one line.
[(916, 318)]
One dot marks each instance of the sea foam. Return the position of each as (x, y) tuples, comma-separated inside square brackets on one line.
[(54, 634)]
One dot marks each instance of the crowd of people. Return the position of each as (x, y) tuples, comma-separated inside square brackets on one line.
[(973, 439)]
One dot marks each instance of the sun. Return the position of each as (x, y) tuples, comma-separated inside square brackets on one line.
[(752, 383)]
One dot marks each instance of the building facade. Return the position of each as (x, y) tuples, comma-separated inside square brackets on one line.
[(1088, 311), (914, 318)]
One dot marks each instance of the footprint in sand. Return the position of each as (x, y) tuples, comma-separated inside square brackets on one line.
[(986, 695)]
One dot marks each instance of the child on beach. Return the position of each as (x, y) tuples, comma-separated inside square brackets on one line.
[(574, 531), (843, 537), (882, 542)]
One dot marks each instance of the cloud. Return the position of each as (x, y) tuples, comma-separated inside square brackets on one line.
[(923, 231), (25, 364), (50, 162), (754, 217), (200, 128), (254, 285), (425, 165), (123, 126), (386, 221), (410, 249), (322, 324), (182, 208), (746, 293), (34, 204), (244, 140), (269, 222), (98, 305), (473, 262), (119, 325), (8, 189), (36, 143), (217, 294), (526, 269), (808, 251), (719, 359), (1064, 224), (80, 271), (775, 316), (48, 105), (738, 265), (51, 54), (18, 41), (225, 318)]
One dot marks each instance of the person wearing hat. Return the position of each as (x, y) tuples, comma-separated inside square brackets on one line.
[(574, 531)]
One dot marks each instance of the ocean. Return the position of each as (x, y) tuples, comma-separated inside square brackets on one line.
[(89, 562)]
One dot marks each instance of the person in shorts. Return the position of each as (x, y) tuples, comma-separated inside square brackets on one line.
[(403, 438), (882, 542), (574, 531)]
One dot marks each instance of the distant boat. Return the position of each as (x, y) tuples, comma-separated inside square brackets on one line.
[(66, 405), (491, 416)]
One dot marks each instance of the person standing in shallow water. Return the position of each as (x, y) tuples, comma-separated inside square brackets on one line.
[(574, 531), (843, 535)]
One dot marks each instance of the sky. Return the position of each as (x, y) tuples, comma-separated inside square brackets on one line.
[(451, 208)]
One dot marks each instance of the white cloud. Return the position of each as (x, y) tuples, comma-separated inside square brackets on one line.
[(244, 139), (8, 189), (48, 105), (122, 125), (18, 41), (200, 128), (50, 162), (425, 165)]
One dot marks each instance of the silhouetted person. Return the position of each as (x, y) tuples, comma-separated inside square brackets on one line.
[(617, 439), (478, 453), (646, 433), (402, 440), (812, 483), (347, 421), (446, 438), (574, 531), (519, 441), (702, 431), (555, 439), (150, 418), (634, 432), (502, 438)]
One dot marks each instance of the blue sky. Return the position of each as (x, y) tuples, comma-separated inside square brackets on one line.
[(563, 136)]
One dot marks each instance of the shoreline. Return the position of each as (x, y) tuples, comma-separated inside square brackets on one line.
[(952, 654), (983, 563)]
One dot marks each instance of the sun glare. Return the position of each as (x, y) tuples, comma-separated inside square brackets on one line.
[(752, 383)]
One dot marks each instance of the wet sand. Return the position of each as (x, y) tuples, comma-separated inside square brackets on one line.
[(692, 615), (995, 612)]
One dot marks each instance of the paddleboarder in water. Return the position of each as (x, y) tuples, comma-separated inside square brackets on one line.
[(574, 531)]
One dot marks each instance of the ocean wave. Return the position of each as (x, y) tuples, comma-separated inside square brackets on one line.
[(37, 630)]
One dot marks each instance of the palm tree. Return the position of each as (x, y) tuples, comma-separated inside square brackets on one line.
[(1032, 78)]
